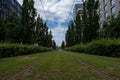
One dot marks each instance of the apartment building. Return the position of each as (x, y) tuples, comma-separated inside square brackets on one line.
[(77, 7), (8, 7), (108, 8)]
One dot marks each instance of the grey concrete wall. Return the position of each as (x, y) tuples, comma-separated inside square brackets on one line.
[(102, 10)]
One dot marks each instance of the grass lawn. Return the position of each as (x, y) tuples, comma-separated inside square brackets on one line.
[(13, 64), (108, 64), (59, 65)]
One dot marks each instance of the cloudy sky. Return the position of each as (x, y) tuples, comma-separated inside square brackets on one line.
[(58, 13)]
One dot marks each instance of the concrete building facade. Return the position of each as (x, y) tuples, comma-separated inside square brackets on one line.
[(8, 7), (108, 8), (77, 8)]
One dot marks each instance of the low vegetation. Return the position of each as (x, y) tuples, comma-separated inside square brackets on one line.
[(9, 50), (13, 64), (105, 47), (59, 65), (109, 65)]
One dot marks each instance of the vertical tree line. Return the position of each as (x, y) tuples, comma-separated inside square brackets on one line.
[(85, 27), (111, 27), (43, 36), (26, 29), (28, 21)]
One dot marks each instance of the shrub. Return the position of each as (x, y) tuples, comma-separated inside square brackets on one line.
[(104, 47), (110, 47), (9, 50), (77, 48)]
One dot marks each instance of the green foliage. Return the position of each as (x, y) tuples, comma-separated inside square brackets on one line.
[(43, 36), (63, 45), (0, 1), (9, 50), (54, 44), (78, 28), (70, 35), (85, 26), (12, 32), (28, 21), (90, 20), (2, 31), (111, 27), (77, 48), (26, 30), (104, 47)]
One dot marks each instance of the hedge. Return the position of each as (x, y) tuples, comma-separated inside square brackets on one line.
[(77, 48), (9, 50), (104, 47), (110, 47)]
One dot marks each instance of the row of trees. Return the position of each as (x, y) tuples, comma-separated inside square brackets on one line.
[(85, 26), (27, 29), (111, 27)]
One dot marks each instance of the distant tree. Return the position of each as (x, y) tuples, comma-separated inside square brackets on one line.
[(54, 44), (63, 45), (43, 35), (113, 24), (38, 31), (49, 39), (0, 1), (78, 27), (70, 34)]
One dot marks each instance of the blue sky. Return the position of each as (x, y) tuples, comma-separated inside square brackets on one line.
[(58, 14)]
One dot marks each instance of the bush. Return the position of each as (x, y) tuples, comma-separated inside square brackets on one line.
[(110, 47), (9, 50), (104, 47), (77, 48)]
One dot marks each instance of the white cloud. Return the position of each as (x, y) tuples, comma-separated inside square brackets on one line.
[(59, 34), (55, 9)]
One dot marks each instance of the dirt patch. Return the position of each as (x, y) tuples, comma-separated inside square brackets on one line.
[(26, 58)]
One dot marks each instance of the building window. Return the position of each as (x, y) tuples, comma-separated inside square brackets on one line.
[(101, 19), (105, 8), (113, 10), (100, 12), (100, 6), (106, 15), (112, 2), (105, 1)]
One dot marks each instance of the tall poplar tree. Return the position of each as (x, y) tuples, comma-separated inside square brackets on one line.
[(53, 44), (0, 1), (43, 35), (12, 29), (78, 27), (63, 45), (2, 31), (28, 21), (90, 20), (70, 34)]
